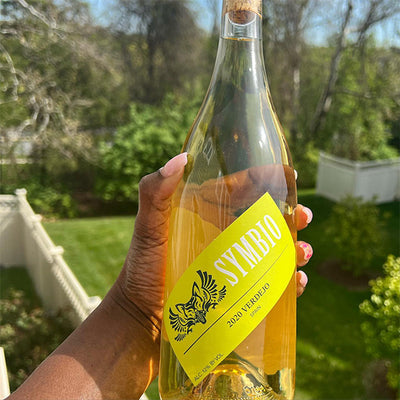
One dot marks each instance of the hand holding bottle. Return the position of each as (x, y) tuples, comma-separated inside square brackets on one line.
[(142, 279), (115, 352)]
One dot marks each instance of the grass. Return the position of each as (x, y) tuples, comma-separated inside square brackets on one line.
[(95, 248), (331, 357), (17, 278)]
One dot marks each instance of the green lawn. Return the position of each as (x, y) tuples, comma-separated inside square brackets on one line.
[(95, 248), (331, 357), (17, 278)]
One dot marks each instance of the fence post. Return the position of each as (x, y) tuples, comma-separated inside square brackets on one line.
[(4, 385)]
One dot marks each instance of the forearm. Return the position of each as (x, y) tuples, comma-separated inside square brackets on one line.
[(112, 355)]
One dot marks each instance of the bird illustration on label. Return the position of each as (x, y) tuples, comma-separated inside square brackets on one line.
[(195, 310)]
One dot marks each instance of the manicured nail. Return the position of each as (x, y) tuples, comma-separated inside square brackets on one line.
[(174, 165), (295, 175), (303, 279), (309, 214), (308, 250)]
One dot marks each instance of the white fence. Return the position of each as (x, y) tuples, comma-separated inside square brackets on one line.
[(4, 385), (24, 242), (378, 180)]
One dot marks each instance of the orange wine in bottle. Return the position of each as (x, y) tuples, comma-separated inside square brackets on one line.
[(229, 325)]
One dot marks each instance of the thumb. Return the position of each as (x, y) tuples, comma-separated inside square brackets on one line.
[(156, 189), (143, 275)]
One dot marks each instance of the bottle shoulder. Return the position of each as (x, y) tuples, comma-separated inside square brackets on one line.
[(239, 127)]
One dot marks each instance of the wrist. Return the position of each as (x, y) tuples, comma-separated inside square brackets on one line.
[(117, 301)]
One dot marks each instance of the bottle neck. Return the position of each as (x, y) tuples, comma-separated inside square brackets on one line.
[(241, 19), (240, 55)]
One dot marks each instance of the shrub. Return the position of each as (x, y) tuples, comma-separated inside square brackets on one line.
[(382, 330), (153, 135), (27, 335), (51, 202), (356, 230), (46, 200)]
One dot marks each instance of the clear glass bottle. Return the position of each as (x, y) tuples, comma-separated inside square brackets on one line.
[(236, 152)]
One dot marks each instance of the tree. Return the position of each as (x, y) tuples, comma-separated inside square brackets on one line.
[(47, 63), (373, 12), (362, 104), (285, 25), (167, 41)]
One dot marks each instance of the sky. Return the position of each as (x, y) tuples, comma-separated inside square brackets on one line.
[(319, 31), (99, 8)]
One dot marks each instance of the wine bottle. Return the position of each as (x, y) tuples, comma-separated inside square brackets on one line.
[(229, 326)]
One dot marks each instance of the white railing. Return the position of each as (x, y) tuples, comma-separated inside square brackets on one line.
[(371, 180), (4, 385), (24, 242)]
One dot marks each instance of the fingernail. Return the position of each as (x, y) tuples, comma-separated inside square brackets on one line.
[(303, 279), (309, 214), (174, 165), (295, 175), (308, 250)]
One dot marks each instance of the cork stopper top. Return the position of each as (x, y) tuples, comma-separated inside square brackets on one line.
[(240, 11), (242, 5)]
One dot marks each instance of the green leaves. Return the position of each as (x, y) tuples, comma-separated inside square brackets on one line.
[(355, 228), (27, 334), (357, 126), (382, 330), (153, 135)]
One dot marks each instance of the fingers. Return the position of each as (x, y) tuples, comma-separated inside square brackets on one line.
[(304, 252), (302, 280), (303, 216)]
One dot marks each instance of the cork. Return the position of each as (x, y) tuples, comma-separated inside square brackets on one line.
[(242, 5), (240, 11)]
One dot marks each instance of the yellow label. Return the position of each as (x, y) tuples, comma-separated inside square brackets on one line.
[(229, 288)]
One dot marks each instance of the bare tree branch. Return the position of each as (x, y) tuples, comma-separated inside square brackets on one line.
[(51, 24), (12, 70), (378, 11), (325, 101)]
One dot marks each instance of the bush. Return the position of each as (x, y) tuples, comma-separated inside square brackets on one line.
[(382, 331), (356, 230), (27, 335), (51, 202), (45, 200), (153, 135)]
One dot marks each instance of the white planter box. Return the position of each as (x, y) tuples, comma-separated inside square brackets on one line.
[(338, 178)]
